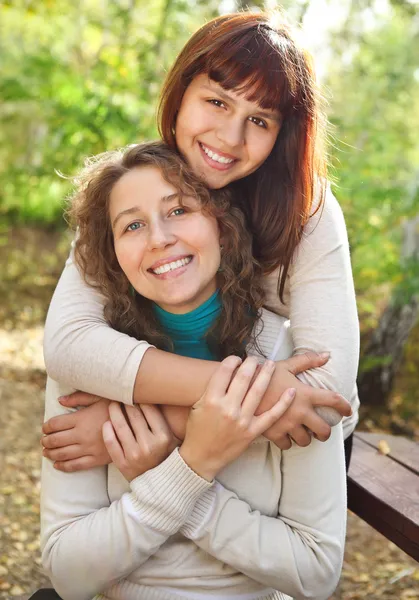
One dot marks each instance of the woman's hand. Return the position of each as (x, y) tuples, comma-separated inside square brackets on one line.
[(222, 424), (301, 419), (139, 440), (74, 441)]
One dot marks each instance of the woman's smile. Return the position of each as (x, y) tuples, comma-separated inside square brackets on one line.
[(171, 267), (168, 248)]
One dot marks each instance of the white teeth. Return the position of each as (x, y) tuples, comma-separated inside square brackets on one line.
[(214, 156), (172, 266)]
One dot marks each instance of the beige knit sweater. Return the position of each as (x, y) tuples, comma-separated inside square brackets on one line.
[(271, 527)]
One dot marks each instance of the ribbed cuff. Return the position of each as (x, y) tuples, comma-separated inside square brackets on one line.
[(165, 496), (194, 526)]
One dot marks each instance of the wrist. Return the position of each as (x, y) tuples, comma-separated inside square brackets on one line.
[(201, 467)]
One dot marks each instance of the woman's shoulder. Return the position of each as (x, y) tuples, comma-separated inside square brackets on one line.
[(326, 219)]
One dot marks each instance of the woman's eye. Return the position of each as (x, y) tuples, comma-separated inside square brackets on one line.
[(134, 226), (178, 211), (258, 122), (216, 102)]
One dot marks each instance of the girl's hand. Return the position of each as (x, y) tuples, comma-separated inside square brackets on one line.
[(74, 441), (302, 420), (222, 424), (139, 441)]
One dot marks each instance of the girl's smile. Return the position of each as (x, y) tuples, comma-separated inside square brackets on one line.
[(223, 136)]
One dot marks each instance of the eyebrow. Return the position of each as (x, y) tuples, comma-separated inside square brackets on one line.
[(134, 209), (225, 96)]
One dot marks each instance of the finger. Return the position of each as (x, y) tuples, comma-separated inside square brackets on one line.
[(301, 436), (79, 464), (78, 399), (268, 418), (321, 430), (327, 398), (219, 382), (121, 426), (61, 454), (304, 362), (155, 419), (258, 388), (58, 440), (138, 422), (284, 443), (60, 423), (241, 381), (112, 444)]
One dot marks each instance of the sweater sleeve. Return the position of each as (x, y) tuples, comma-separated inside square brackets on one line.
[(88, 542), (80, 349), (300, 552), (321, 303)]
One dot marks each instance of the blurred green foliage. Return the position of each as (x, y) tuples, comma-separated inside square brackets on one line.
[(77, 78), (375, 113)]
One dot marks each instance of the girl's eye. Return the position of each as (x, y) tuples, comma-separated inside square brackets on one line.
[(134, 226), (178, 212), (216, 102), (258, 122)]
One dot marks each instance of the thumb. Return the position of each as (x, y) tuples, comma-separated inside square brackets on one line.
[(78, 399), (303, 362)]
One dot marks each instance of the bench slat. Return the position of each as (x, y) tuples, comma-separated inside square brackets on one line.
[(402, 450), (385, 494)]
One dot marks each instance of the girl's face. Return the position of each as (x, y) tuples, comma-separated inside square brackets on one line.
[(222, 135), (170, 252)]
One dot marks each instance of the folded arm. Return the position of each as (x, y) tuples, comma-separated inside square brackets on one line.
[(300, 552)]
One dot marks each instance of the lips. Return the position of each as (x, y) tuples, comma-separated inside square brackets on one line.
[(170, 267), (216, 159)]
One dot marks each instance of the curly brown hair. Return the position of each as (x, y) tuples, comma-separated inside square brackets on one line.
[(239, 280)]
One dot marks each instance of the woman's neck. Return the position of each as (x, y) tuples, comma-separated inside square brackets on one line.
[(188, 331)]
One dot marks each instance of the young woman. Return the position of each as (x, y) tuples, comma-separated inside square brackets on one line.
[(241, 106), (170, 258)]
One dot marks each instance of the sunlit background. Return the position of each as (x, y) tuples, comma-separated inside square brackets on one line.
[(79, 77)]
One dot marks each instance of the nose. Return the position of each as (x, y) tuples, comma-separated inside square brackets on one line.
[(160, 235), (231, 132)]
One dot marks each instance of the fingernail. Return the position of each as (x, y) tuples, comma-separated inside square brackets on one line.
[(324, 355), (269, 364), (62, 399), (44, 452), (292, 392)]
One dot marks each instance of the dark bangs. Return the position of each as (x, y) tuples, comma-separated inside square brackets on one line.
[(263, 65)]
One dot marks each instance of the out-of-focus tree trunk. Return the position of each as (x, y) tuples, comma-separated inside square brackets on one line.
[(386, 348)]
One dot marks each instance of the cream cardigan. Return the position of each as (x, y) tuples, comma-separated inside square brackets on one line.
[(272, 527)]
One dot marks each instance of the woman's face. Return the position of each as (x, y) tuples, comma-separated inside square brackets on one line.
[(222, 135), (169, 252)]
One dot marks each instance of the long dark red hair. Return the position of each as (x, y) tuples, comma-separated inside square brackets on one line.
[(256, 54)]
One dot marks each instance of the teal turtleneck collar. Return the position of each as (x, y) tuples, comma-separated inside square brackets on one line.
[(188, 331)]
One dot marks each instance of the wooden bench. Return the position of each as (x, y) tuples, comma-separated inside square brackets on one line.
[(383, 489)]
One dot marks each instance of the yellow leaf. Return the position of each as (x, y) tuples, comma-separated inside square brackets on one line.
[(383, 447)]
